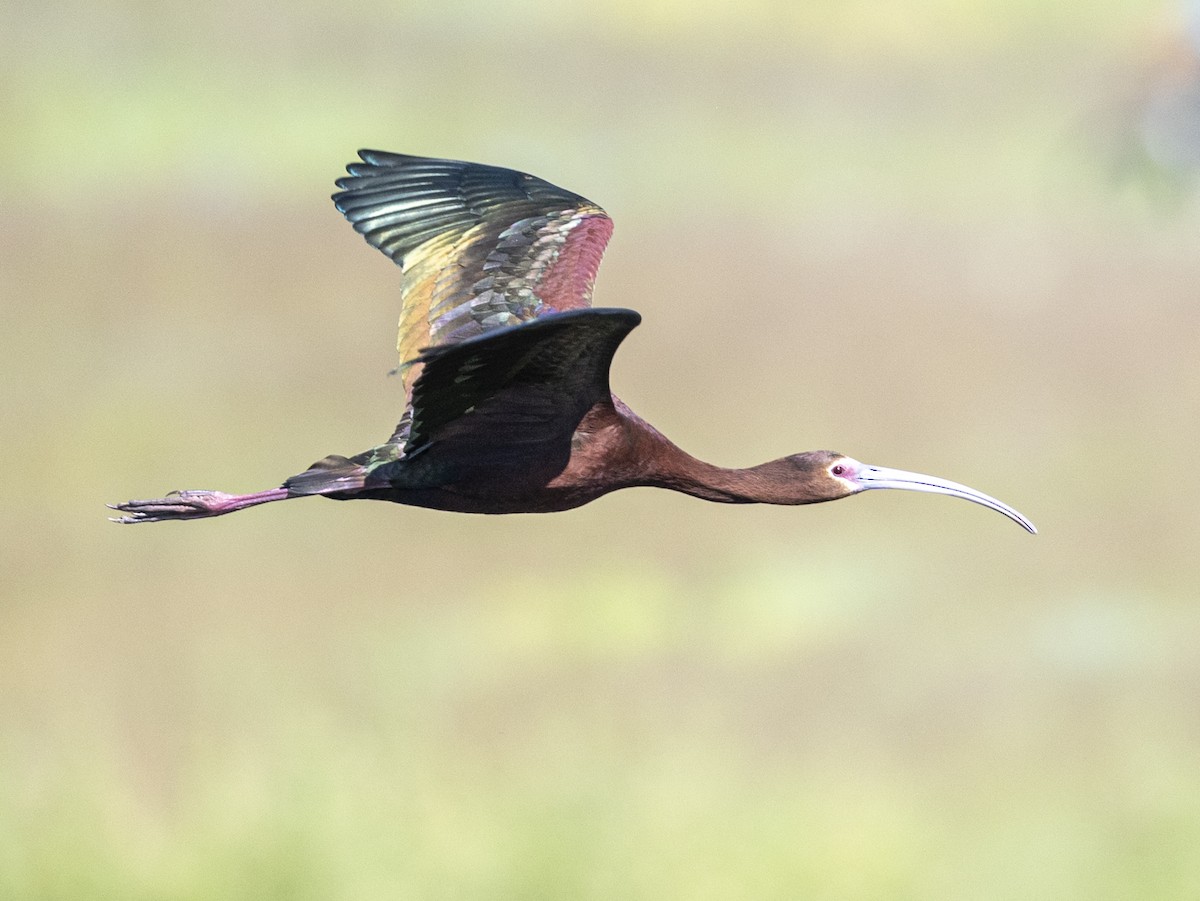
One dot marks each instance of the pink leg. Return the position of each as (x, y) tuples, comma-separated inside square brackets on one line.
[(193, 505)]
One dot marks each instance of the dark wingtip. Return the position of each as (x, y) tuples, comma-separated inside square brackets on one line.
[(371, 160)]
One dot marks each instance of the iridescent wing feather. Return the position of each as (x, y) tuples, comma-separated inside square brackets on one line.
[(480, 247)]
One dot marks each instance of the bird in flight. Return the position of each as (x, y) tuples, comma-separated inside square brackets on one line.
[(505, 366)]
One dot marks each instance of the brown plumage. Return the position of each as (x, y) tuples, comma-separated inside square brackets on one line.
[(505, 366)]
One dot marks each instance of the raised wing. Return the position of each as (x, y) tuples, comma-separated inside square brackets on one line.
[(480, 247)]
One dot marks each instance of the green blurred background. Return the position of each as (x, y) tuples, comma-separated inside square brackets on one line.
[(956, 237)]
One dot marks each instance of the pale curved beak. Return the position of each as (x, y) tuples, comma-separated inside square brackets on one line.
[(868, 477)]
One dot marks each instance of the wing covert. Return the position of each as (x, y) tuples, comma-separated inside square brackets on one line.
[(552, 371), (512, 398)]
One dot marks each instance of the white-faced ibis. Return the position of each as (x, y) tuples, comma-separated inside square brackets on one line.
[(505, 366)]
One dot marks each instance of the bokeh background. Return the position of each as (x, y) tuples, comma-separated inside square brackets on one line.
[(956, 237)]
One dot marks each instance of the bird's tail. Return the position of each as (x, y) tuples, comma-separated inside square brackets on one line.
[(330, 475)]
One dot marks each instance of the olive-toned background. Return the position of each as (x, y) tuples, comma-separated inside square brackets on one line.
[(954, 237)]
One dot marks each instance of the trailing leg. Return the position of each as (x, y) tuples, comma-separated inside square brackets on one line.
[(334, 476), (194, 505)]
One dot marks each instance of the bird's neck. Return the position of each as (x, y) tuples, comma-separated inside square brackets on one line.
[(621, 450), (766, 483), (654, 461)]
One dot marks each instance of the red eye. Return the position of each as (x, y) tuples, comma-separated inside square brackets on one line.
[(838, 470)]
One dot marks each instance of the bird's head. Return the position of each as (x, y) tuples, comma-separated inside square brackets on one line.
[(828, 476)]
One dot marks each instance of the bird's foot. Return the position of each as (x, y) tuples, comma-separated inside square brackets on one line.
[(191, 505), (176, 505)]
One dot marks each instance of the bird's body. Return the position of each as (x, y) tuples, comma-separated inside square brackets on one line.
[(608, 451), (505, 366)]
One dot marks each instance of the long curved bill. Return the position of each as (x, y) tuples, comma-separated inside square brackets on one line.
[(880, 477)]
